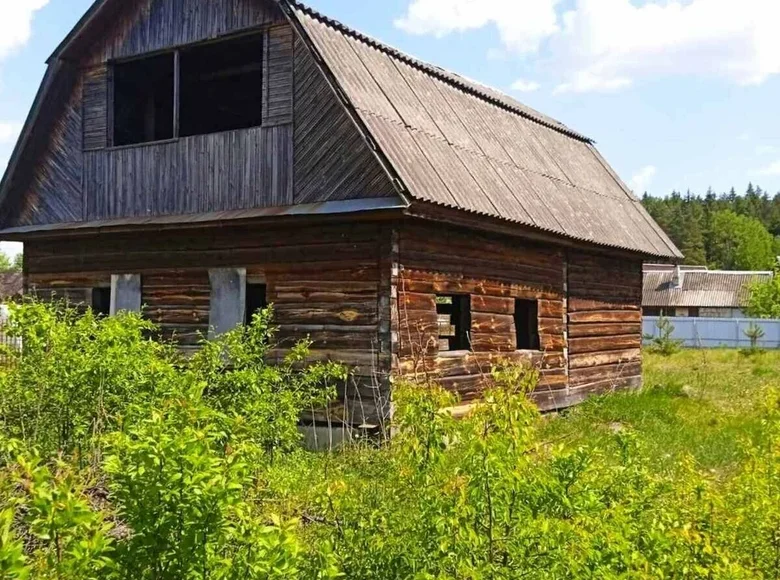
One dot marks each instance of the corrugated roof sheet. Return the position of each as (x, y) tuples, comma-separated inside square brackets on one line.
[(699, 288), (459, 144)]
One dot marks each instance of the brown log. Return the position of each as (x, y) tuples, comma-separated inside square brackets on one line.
[(484, 323), (604, 329), (493, 304), (578, 361), (599, 316), (604, 343)]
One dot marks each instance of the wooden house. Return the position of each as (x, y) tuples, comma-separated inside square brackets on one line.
[(198, 159), (697, 291)]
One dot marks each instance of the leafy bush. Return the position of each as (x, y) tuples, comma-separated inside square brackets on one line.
[(199, 474), (764, 298)]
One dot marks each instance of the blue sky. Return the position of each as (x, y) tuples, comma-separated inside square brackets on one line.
[(678, 94)]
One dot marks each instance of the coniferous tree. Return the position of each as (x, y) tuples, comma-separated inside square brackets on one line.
[(689, 221)]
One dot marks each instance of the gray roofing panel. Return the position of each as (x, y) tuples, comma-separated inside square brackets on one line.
[(702, 289), (458, 144)]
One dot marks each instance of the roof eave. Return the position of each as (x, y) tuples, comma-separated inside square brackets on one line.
[(460, 217)]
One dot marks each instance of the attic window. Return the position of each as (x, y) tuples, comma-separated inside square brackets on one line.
[(222, 86), (143, 100), (454, 318), (203, 89)]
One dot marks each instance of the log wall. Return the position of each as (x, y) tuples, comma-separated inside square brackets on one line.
[(605, 323), (588, 305), (494, 272), (323, 280)]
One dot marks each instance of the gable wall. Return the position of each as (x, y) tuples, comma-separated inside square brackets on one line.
[(306, 151)]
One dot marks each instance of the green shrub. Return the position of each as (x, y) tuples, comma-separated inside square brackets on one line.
[(664, 344), (198, 473)]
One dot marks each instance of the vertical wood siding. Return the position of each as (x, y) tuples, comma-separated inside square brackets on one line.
[(323, 280), (95, 106), (278, 76), (151, 25), (332, 160), (605, 322), (440, 260), (200, 174)]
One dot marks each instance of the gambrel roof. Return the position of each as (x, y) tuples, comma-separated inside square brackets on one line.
[(449, 142)]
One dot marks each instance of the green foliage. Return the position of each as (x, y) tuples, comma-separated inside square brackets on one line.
[(727, 231), (664, 344), (11, 265), (47, 506), (740, 243), (198, 473), (764, 300), (75, 375), (754, 333)]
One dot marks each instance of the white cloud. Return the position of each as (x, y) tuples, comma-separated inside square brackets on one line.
[(767, 149), (585, 82), (609, 44), (523, 24), (772, 169), (524, 86), (641, 181), (16, 23)]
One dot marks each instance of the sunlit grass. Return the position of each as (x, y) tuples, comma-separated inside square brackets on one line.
[(702, 403)]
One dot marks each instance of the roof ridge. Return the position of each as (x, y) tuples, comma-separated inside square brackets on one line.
[(460, 81)]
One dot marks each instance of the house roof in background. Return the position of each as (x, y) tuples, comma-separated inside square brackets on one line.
[(698, 287), (11, 284)]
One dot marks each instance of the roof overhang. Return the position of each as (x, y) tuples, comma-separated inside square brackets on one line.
[(367, 208)]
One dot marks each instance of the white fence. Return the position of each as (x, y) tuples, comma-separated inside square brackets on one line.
[(716, 332)]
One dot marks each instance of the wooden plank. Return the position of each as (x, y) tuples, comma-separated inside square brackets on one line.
[(497, 324), (604, 329), (493, 304), (602, 316), (578, 361)]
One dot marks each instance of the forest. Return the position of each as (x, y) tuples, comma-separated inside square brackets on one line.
[(724, 231)]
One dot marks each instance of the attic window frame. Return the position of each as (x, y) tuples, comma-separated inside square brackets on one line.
[(176, 53)]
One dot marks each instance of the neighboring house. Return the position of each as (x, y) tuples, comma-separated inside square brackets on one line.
[(11, 286), (201, 158), (697, 291)]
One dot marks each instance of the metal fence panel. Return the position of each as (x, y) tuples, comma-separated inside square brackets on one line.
[(716, 332)]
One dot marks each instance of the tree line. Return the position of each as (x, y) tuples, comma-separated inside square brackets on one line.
[(725, 231)]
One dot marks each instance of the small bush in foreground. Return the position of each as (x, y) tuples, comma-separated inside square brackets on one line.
[(664, 344)]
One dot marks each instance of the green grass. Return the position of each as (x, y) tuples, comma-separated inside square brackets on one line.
[(696, 402)]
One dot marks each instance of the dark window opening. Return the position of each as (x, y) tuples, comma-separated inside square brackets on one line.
[(527, 324), (101, 301), (222, 86), (454, 319), (143, 100), (255, 300)]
